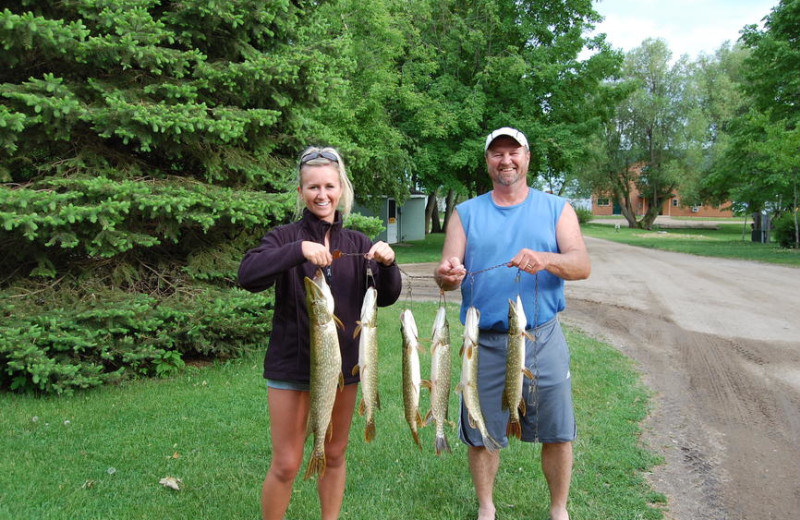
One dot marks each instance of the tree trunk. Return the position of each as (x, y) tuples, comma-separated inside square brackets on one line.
[(796, 226), (626, 206), (432, 224), (449, 207)]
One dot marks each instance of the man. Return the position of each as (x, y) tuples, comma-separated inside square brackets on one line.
[(516, 240)]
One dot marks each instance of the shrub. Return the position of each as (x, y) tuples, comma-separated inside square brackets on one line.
[(584, 215), (370, 226), (784, 230), (116, 335)]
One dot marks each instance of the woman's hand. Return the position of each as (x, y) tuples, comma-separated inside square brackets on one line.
[(317, 253), (381, 252)]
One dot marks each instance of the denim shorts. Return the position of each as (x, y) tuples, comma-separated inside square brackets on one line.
[(550, 417), (299, 386), (288, 385)]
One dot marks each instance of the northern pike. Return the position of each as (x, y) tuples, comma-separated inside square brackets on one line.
[(439, 383), (468, 385), (515, 368), (326, 368), (368, 361), (412, 379)]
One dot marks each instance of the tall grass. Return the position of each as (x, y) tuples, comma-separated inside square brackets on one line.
[(101, 454)]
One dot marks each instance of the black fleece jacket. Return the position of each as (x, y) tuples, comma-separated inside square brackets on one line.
[(279, 261)]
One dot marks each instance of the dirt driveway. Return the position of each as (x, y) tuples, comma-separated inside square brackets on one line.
[(718, 341)]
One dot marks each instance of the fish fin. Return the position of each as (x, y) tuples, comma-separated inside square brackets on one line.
[(514, 429), (369, 431), (490, 443), (523, 407), (426, 384), (316, 466), (442, 445), (329, 432), (504, 403), (362, 407), (338, 322), (471, 421), (419, 420), (461, 351), (415, 435), (378, 400), (527, 373), (356, 370), (428, 417), (459, 388), (528, 334), (358, 330), (470, 351), (341, 381)]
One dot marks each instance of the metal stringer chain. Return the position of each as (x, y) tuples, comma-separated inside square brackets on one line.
[(533, 389)]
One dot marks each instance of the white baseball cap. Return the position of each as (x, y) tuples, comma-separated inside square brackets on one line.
[(508, 131)]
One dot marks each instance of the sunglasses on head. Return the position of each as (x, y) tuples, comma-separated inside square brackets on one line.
[(310, 156)]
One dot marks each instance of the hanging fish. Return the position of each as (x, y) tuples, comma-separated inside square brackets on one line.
[(412, 379), (368, 361), (326, 367), (515, 368), (439, 383), (468, 385)]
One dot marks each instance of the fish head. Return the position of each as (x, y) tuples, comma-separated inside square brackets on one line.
[(319, 298), (369, 309), (441, 329), (516, 315), (409, 325), (472, 325)]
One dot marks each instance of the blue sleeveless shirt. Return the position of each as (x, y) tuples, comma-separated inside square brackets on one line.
[(494, 235)]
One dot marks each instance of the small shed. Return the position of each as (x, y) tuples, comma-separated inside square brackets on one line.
[(402, 222)]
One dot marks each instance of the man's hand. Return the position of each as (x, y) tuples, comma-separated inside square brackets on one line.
[(450, 274)]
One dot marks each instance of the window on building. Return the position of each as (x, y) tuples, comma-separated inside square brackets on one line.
[(603, 202), (674, 203)]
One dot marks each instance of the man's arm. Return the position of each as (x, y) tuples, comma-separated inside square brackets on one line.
[(450, 272)]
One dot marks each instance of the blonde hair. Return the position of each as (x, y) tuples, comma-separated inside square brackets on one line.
[(346, 200)]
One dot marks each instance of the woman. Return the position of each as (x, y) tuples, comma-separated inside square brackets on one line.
[(287, 255)]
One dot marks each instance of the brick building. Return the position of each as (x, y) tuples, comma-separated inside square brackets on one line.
[(604, 205)]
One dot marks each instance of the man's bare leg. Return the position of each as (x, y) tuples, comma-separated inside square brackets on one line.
[(557, 469), (483, 465)]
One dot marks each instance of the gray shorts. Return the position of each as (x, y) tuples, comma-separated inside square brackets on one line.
[(550, 417)]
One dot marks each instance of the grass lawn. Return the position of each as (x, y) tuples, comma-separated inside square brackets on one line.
[(100, 454), (725, 242), (417, 251)]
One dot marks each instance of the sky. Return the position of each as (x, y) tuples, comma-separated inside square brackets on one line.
[(688, 26)]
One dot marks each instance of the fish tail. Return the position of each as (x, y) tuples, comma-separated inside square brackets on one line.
[(514, 429), (369, 431), (316, 465), (442, 445), (490, 443)]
